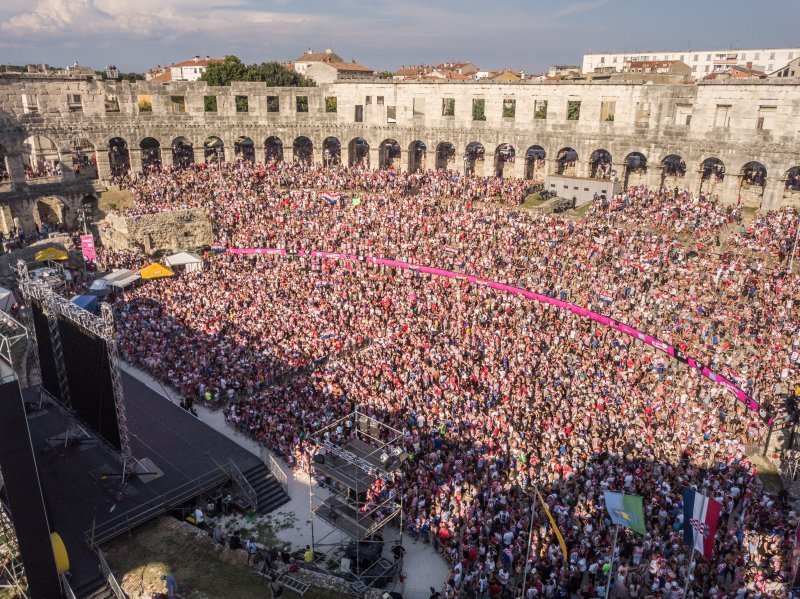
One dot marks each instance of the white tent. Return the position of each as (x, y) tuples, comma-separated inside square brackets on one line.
[(190, 262), (120, 278), (6, 299)]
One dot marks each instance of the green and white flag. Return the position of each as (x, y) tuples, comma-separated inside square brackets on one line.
[(625, 510), (356, 200)]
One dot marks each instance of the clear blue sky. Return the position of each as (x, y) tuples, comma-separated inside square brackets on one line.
[(383, 34)]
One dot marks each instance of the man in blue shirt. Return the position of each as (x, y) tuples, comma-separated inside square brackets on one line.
[(172, 585)]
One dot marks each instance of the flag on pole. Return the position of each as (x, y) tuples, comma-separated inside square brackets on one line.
[(554, 525), (330, 197), (625, 510), (700, 517), (356, 200)]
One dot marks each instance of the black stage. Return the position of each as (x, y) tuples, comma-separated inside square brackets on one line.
[(184, 449)]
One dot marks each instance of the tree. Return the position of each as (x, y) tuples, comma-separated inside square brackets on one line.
[(479, 110), (145, 105), (573, 110), (331, 104), (271, 73)]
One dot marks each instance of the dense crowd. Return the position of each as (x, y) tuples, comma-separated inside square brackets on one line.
[(496, 395)]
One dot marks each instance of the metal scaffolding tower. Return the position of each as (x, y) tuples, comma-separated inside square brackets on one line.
[(12, 572)]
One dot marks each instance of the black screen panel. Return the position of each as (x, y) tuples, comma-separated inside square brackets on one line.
[(89, 377), (47, 362), (25, 495)]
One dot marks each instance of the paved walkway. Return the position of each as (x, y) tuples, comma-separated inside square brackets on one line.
[(424, 568)]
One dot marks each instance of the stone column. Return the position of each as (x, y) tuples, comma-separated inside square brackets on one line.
[(517, 168), (166, 157), (230, 153), (199, 155), (374, 157), (16, 171), (398, 163), (730, 189), (459, 165), (773, 194), (694, 180), (135, 157), (103, 164), (653, 178), (429, 161)]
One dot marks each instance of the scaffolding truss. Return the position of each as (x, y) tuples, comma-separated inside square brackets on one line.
[(12, 572), (56, 306), (357, 458)]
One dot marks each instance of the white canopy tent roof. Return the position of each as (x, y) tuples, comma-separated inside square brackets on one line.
[(191, 262), (120, 278), (6, 299)]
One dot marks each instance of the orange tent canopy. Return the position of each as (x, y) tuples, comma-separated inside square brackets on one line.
[(155, 271)]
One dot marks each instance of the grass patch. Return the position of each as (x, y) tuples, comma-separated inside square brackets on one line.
[(533, 200), (202, 570), (581, 211), (115, 198)]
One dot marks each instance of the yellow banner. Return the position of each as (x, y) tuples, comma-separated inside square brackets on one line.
[(554, 525)]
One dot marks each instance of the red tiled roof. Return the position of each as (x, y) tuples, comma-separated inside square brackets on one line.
[(203, 62)]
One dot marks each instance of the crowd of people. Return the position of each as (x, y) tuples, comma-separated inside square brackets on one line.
[(496, 395)]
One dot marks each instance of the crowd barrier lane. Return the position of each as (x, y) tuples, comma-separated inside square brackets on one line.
[(674, 353)]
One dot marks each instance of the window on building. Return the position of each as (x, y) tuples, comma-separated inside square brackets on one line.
[(30, 104), (708, 68), (607, 110), (391, 114), (683, 114), (791, 55), (379, 100), (683, 57), (708, 56), (744, 56), (210, 103), (573, 110), (273, 104), (772, 55), (478, 109), (766, 117), (145, 103), (368, 100), (509, 108), (177, 103), (614, 59), (448, 107), (540, 109), (602, 60), (301, 103), (695, 58), (74, 103), (770, 67), (722, 115), (111, 103), (242, 104), (694, 69), (642, 113), (756, 56), (359, 113), (418, 106), (331, 104)]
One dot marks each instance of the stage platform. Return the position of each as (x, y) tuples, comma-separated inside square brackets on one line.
[(189, 457), (345, 517)]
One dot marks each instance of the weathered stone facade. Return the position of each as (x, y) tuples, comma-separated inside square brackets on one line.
[(150, 233), (745, 125)]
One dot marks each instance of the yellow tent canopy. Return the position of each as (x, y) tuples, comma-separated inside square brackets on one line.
[(51, 254), (155, 271)]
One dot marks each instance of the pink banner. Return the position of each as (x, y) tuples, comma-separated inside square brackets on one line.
[(580, 311), (87, 248)]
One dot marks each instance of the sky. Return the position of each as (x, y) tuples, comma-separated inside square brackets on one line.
[(383, 34)]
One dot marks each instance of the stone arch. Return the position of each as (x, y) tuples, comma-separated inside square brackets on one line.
[(712, 174), (49, 212), (389, 153), (635, 169), (753, 180), (567, 162), (244, 149), (151, 152), (673, 172), (84, 159), (445, 155), (303, 150), (474, 154), (9, 219), (791, 187), (358, 151), (273, 149), (601, 164), (417, 150), (41, 157), (503, 154), (535, 162), (182, 152), (119, 158), (214, 149), (331, 151)]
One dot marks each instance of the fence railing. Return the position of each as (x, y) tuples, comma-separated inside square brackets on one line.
[(276, 470), (67, 590), (109, 575), (246, 489)]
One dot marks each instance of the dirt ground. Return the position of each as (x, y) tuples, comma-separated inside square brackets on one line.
[(114, 199), (201, 570)]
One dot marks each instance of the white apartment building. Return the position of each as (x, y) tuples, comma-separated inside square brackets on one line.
[(702, 62)]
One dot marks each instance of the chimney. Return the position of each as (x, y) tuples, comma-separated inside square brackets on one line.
[(196, 58), (328, 51)]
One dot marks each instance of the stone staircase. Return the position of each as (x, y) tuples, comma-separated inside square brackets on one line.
[(270, 494), (97, 588)]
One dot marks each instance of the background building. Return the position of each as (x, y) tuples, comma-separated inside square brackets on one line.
[(188, 70), (702, 62)]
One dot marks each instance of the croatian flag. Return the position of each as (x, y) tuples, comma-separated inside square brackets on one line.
[(330, 197), (327, 334), (700, 517)]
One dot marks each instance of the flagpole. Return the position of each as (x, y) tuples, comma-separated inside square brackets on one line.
[(528, 551), (613, 551)]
